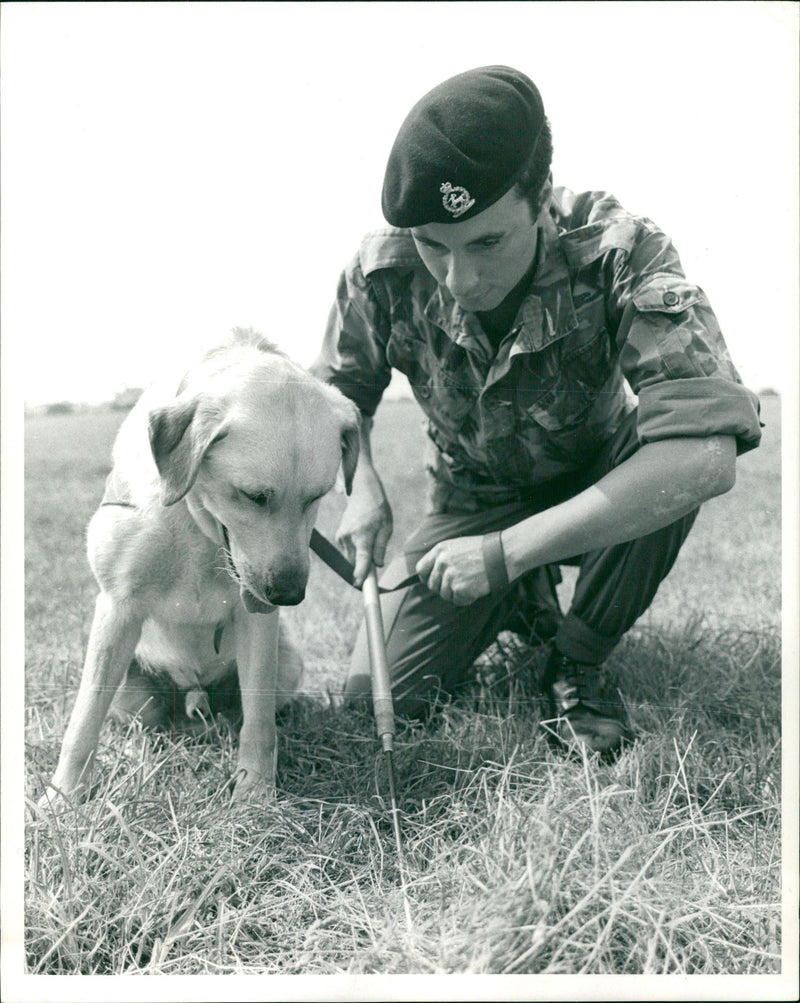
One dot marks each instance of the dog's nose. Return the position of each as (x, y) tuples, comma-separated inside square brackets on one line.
[(286, 597), (286, 588)]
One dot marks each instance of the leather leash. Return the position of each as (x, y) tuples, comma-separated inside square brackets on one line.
[(337, 562)]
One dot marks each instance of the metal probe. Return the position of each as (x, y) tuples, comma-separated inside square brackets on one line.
[(384, 708)]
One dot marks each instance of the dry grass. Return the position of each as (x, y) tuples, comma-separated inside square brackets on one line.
[(518, 860)]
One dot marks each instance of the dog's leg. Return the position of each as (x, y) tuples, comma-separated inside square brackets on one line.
[(257, 661), (290, 665), (112, 642)]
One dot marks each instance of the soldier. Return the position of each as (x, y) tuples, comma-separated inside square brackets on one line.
[(581, 403)]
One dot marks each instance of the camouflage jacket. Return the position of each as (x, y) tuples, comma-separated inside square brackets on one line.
[(609, 317)]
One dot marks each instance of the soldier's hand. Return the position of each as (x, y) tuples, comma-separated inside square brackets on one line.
[(455, 570), (366, 527)]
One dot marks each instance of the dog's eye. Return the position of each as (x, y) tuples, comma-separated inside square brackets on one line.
[(260, 498)]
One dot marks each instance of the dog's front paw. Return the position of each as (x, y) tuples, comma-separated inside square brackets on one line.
[(252, 788), (50, 799), (59, 794), (255, 782)]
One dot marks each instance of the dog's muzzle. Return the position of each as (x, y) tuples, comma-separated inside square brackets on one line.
[(281, 593), (253, 604)]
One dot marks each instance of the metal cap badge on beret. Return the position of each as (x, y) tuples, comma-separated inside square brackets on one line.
[(462, 147)]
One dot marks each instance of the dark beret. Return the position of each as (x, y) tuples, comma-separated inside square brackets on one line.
[(462, 147)]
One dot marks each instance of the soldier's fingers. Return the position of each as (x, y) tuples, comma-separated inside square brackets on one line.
[(381, 542), (426, 563), (363, 563)]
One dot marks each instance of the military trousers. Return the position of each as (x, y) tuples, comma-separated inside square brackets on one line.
[(432, 643)]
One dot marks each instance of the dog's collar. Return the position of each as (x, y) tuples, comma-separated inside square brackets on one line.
[(227, 543)]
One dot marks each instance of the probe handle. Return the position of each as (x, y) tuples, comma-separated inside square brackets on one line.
[(381, 684)]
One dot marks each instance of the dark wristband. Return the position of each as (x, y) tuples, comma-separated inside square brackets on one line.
[(494, 561)]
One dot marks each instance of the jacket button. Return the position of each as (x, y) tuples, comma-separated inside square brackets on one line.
[(671, 298)]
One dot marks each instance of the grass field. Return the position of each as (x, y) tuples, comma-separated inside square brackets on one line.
[(518, 861)]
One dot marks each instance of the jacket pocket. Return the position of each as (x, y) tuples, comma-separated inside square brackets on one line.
[(448, 396), (566, 382)]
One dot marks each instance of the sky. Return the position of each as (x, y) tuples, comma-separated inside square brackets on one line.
[(170, 171)]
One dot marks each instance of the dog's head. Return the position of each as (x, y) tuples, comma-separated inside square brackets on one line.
[(253, 449)]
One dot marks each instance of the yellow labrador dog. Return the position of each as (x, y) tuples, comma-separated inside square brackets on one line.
[(202, 535)]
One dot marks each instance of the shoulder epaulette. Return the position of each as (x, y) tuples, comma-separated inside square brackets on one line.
[(388, 248), (592, 223)]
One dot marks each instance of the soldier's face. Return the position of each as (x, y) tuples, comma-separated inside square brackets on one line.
[(482, 259)]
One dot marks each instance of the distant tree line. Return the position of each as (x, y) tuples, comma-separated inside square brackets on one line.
[(121, 401), (127, 397)]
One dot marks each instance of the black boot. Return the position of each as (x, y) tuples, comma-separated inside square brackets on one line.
[(586, 710)]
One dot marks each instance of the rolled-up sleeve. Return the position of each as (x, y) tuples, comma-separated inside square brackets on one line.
[(672, 352), (353, 356)]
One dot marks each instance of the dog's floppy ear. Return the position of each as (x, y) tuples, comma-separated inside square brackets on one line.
[(350, 441), (180, 435), (346, 412), (350, 447)]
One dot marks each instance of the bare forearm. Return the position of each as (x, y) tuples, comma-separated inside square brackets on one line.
[(660, 483), (365, 443), (366, 525)]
